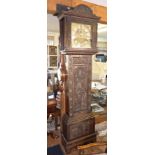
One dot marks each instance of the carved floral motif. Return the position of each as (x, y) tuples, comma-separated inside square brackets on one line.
[(81, 129), (80, 88)]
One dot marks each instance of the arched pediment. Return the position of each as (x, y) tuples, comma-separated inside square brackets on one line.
[(82, 10)]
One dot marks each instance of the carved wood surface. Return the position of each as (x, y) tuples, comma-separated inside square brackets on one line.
[(80, 87), (78, 124), (82, 129), (82, 11), (79, 83)]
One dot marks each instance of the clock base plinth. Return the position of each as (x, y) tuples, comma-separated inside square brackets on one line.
[(69, 145), (78, 130)]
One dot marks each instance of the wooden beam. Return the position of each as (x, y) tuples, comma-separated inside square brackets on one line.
[(97, 9)]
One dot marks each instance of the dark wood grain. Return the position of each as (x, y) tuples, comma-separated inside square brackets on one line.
[(77, 122)]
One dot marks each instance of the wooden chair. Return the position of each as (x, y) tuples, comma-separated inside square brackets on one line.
[(100, 146)]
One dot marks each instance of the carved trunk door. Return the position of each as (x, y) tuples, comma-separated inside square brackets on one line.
[(79, 80)]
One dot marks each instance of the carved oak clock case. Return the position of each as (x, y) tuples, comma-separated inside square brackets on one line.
[(78, 38)]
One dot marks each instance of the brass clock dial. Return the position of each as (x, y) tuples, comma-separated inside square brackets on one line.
[(80, 35)]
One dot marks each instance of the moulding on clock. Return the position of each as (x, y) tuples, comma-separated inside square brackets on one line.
[(77, 51), (78, 11)]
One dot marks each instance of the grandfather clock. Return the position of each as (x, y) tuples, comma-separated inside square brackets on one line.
[(78, 38)]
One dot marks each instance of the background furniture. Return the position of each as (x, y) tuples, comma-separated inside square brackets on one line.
[(52, 56)]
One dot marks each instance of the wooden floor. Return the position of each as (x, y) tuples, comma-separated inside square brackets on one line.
[(51, 141), (54, 141)]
